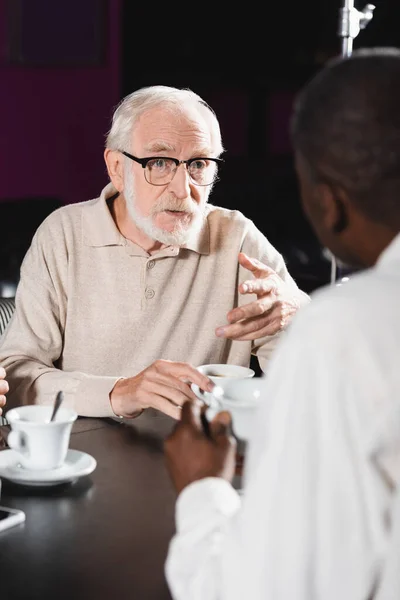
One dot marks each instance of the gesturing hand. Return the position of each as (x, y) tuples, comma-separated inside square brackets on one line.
[(192, 454), (274, 308)]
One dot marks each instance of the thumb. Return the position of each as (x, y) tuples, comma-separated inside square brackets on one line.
[(221, 425)]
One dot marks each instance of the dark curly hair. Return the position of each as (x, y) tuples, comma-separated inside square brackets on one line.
[(346, 126)]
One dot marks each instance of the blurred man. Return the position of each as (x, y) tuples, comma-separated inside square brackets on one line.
[(3, 389), (324, 462), (122, 296)]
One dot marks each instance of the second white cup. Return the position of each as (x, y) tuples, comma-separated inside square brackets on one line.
[(41, 444)]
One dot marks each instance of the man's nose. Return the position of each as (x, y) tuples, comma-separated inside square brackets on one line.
[(180, 184)]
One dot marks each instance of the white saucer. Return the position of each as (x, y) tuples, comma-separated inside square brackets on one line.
[(77, 464)]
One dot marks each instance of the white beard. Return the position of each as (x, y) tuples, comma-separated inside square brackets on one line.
[(182, 232)]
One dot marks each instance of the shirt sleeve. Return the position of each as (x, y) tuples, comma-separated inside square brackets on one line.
[(203, 511), (309, 527), (32, 344)]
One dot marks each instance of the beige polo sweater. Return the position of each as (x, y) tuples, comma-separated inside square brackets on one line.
[(92, 307)]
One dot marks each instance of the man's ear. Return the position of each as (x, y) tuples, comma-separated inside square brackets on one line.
[(334, 207), (115, 168)]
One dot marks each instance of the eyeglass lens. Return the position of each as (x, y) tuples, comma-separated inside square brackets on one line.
[(161, 171)]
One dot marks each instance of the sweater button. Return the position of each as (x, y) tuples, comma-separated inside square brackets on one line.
[(149, 293)]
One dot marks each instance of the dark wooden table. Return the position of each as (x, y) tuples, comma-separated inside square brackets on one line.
[(104, 536)]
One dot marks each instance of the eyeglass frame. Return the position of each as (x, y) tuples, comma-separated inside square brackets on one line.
[(187, 162)]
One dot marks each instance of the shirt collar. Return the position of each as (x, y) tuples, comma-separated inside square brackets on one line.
[(99, 228)]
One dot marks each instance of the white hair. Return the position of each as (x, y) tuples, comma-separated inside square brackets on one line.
[(134, 105)]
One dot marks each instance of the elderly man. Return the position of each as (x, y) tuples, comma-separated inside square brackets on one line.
[(323, 467), (122, 296)]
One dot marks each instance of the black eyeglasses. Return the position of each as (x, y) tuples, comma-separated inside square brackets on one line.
[(160, 170)]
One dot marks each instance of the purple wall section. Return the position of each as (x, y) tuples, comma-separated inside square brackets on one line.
[(280, 109), (53, 122)]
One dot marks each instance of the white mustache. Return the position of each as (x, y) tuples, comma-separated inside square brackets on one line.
[(173, 205)]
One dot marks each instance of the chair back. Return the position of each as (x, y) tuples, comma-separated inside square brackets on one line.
[(7, 306)]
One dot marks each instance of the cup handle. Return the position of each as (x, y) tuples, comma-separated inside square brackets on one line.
[(18, 442), (212, 401), (214, 406)]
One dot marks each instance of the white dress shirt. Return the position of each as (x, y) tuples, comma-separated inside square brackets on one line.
[(322, 469)]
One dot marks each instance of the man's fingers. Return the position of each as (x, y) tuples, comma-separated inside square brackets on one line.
[(260, 287), (167, 401), (190, 413), (221, 425), (254, 309), (184, 372), (202, 381), (255, 266), (255, 328), (259, 325), (2, 373), (3, 386), (167, 389), (166, 386), (169, 409)]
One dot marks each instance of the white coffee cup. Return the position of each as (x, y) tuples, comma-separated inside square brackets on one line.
[(241, 396), (222, 374), (41, 444), (241, 399)]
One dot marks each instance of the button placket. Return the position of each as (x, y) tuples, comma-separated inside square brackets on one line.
[(149, 291)]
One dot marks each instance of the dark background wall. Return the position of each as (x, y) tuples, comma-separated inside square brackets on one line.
[(64, 65)]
